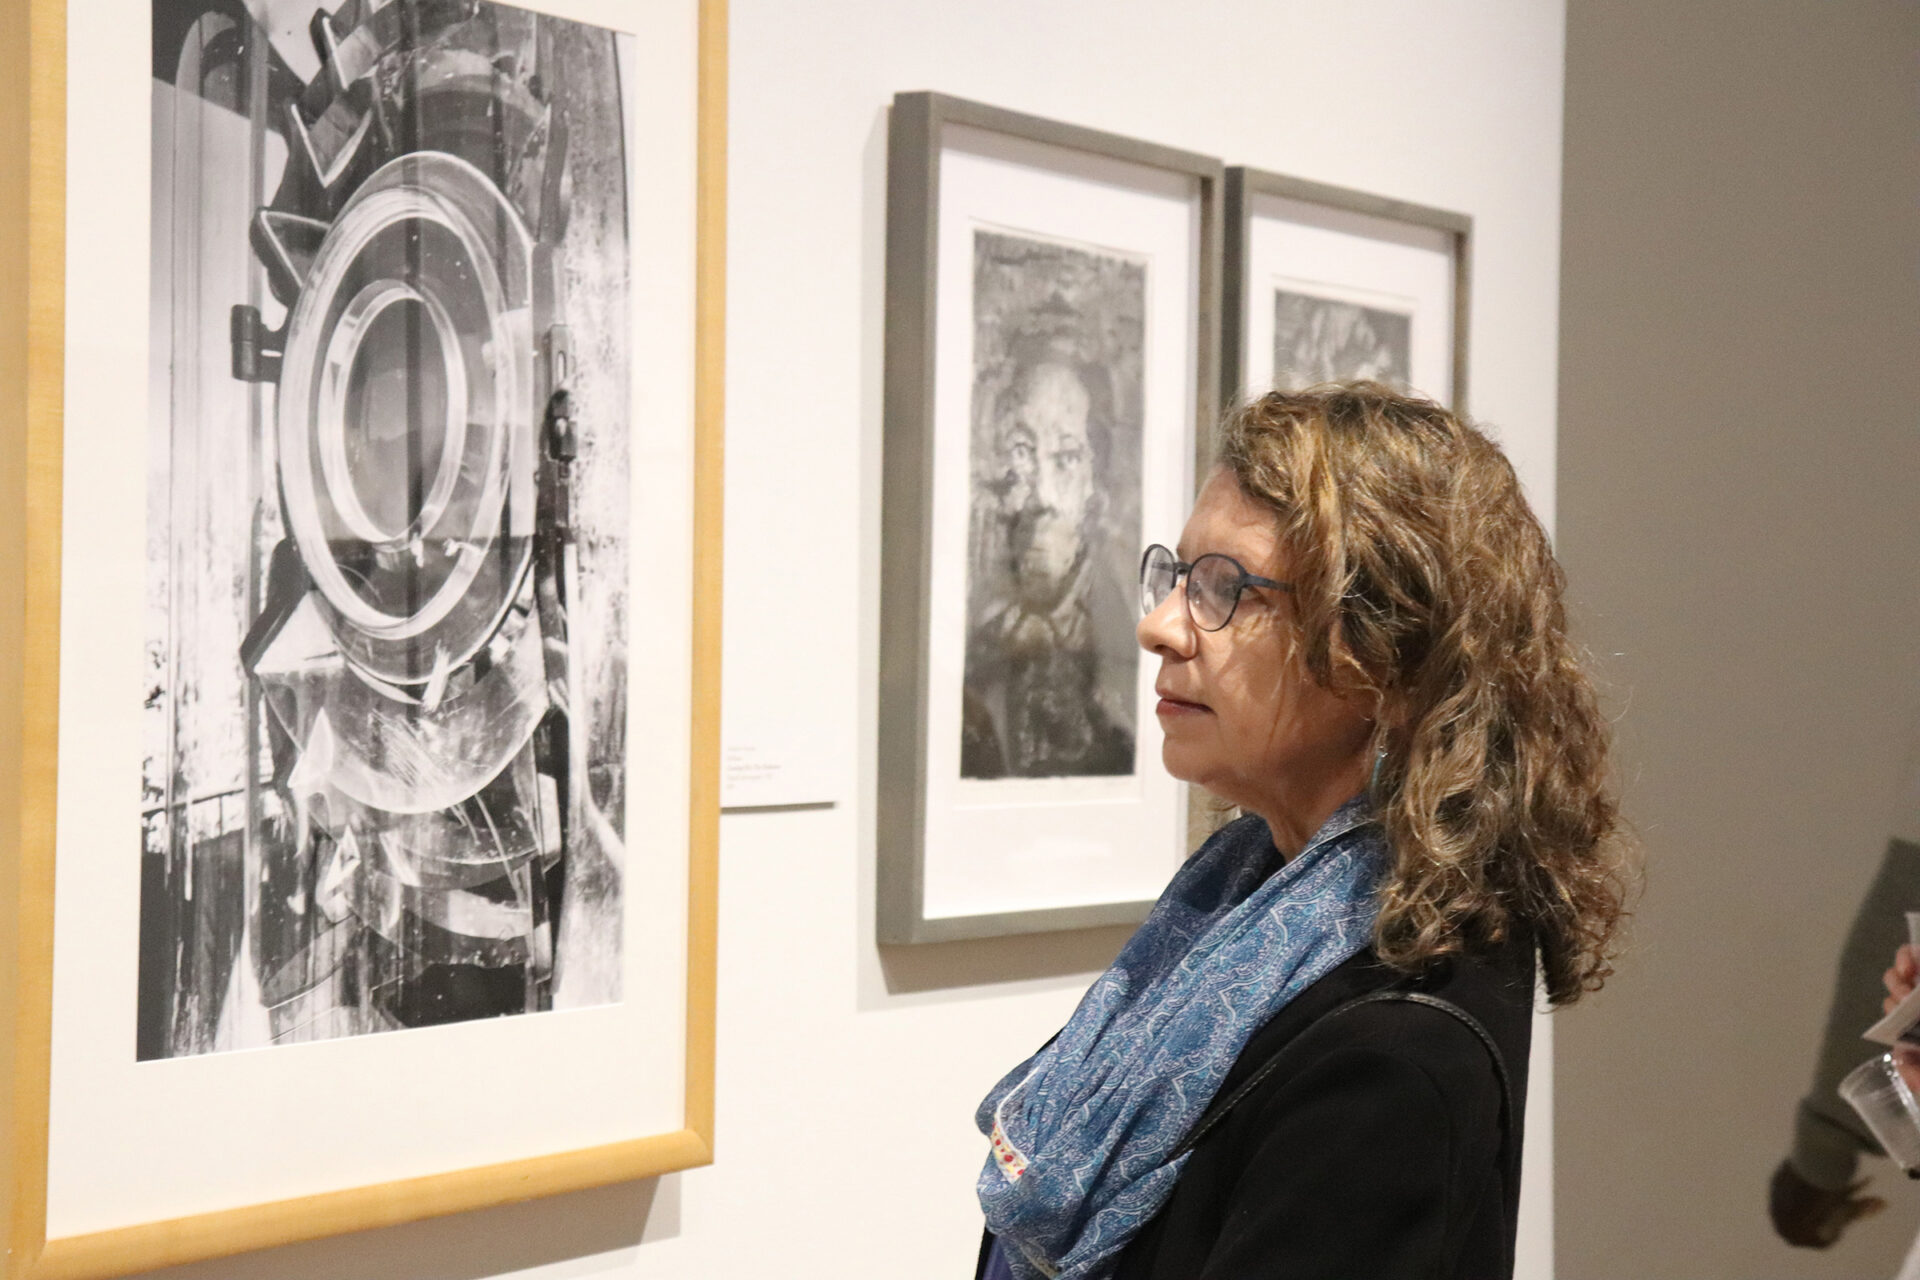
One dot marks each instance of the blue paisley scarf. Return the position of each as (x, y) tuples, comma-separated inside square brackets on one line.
[(1080, 1132)]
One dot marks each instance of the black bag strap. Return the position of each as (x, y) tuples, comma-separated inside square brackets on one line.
[(1509, 1110)]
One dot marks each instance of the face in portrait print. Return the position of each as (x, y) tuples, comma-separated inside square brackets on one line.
[(1054, 520), (1319, 339), (1047, 456), (387, 521)]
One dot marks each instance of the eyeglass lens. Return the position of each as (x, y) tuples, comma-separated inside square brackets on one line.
[(1159, 571), (1213, 585), (1213, 589)]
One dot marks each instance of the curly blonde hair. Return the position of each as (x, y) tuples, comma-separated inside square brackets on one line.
[(1423, 580)]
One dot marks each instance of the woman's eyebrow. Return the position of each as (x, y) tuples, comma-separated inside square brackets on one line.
[(1238, 557)]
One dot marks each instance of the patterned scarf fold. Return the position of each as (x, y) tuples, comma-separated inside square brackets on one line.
[(1080, 1132)]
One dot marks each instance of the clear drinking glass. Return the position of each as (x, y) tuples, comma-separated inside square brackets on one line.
[(1882, 1090)]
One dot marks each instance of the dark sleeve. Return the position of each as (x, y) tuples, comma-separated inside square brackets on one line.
[(1351, 1163)]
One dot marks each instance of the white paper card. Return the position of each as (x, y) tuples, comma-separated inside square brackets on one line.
[(771, 765)]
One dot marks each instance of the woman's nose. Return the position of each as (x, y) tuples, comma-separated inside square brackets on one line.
[(1168, 628)]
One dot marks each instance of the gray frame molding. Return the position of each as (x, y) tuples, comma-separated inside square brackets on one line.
[(1243, 183), (914, 134)]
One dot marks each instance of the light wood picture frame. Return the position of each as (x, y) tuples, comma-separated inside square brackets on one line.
[(1359, 253), (1032, 263), (66, 966)]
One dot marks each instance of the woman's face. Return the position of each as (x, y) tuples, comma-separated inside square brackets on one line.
[(1240, 713)]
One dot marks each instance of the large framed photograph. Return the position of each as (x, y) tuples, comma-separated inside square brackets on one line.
[(1051, 367), (1326, 283), (362, 365)]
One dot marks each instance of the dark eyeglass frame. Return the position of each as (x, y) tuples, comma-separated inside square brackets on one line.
[(1183, 572)]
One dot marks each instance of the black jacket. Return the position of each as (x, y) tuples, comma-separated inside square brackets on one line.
[(1372, 1150)]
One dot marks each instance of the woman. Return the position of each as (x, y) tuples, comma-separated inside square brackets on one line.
[(1362, 647)]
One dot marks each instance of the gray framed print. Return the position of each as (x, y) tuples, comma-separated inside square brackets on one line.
[(1326, 283), (1051, 369)]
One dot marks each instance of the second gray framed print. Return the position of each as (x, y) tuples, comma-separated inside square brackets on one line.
[(1051, 366), (1325, 283)]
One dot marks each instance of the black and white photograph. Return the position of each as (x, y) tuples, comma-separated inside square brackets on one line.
[(385, 739), (1051, 676), (1324, 339)]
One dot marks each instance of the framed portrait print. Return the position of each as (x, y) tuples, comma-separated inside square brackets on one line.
[(1324, 283), (361, 367), (1051, 367)]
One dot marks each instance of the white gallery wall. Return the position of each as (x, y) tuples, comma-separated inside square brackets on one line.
[(848, 1073)]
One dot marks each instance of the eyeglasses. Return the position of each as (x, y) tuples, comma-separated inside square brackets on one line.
[(1214, 584)]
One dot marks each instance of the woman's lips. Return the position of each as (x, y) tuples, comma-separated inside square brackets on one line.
[(1177, 707)]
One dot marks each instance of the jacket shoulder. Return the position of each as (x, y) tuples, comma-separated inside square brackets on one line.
[(1413, 1055)]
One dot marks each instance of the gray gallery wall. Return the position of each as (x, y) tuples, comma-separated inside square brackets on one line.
[(1739, 502)]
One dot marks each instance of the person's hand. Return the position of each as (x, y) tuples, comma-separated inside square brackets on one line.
[(1813, 1217), (1899, 980)]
